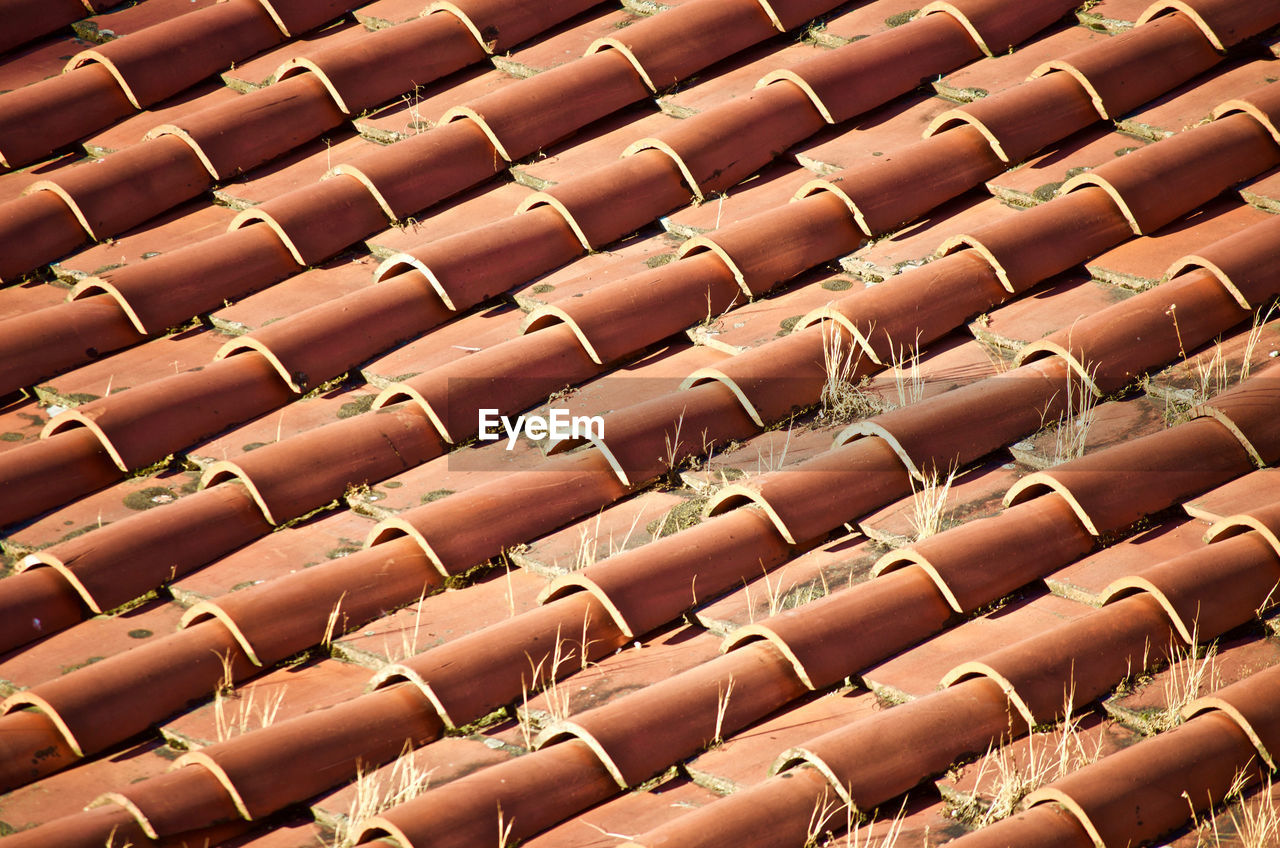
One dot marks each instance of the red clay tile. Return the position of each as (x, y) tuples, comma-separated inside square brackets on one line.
[(157, 547), (1146, 261), (1033, 538), (744, 759), (274, 697), (274, 554), (775, 185), (187, 224), (30, 20), (209, 39), (39, 59), (70, 792), (974, 494), (1110, 423), (624, 816), (120, 22), (997, 73), (896, 125), (915, 672), (367, 71), (168, 356), (421, 108), (428, 623), (858, 23), (1112, 70), (735, 78), (1086, 579), (1137, 794), (805, 579), (87, 99), (1038, 180), (88, 642), (565, 43)]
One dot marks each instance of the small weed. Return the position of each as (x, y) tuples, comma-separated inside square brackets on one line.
[(842, 399), (1045, 762), (722, 707), (405, 782), (929, 504), (1192, 671)]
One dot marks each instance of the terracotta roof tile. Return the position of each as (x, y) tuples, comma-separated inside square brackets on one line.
[(347, 514)]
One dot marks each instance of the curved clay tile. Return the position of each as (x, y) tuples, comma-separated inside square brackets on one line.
[(40, 344), (480, 263), (26, 20), (319, 220), (127, 558), (788, 373), (375, 68), (1248, 411), (35, 604), (1077, 661), (954, 428), (161, 60), (1065, 232), (167, 290), (645, 588), (1251, 704), (652, 184), (866, 73), (309, 347), (1117, 345), (817, 496), (278, 618), (521, 119), (1223, 22), (1042, 826), (295, 17), (517, 654), (171, 803), (498, 25), (88, 829), (1264, 520), (1244, 263), (661, 51), (938, 168), (236, 136), (360, 449), (86, 100), (622, 318), (848, 631), (1111, 489), (1146, 790), (49, 473), (512, 376), (149, 422), (721, 147), (1211, 590), (465, 529), (279, 765), (998, 26), (778, 811), (1261, 104), (111, 195), (639, 735), (1059, 104), (789, 14), (982, 560), (1119, 72), (881, 756), (917, 306), (1155, 184), (36, 228), (464, 812), (772, 247), (106, 702), (460, 151), (652, 438)]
